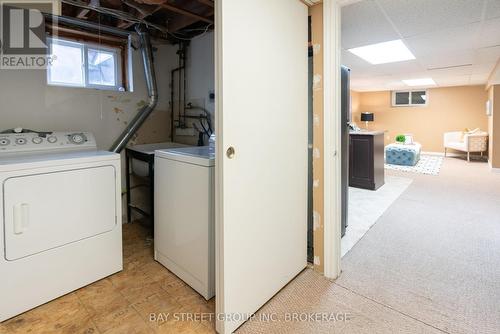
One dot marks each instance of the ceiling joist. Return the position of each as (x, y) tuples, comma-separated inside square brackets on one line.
[(209, 3), (143, 12), (184, 12), (165, 18)]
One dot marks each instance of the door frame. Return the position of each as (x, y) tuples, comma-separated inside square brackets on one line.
[(332, 137)]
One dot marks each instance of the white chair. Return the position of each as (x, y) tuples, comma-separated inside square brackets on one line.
[(474, 142)]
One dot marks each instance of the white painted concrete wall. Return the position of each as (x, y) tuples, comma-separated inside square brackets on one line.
[(200, 74), (200, 68)]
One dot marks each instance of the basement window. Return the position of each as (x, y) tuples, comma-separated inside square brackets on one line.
[(87, 65), (410, 98)]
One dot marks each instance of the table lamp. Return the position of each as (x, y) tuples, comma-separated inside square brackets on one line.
[(367, 117)]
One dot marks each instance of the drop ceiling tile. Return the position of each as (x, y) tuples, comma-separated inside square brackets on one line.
[(374, 84), (487, 55), (359, 85), (490, 33), (413, 17), (413, 75), (495, 77), (448, 59), (357, 65), (493, 9), (351, 60), (403, 67), (371, 80), (483, 68), (477, 79), (462, 80), (362, 74), (444, 40), (461, 70), (395, 84), (363, 23)]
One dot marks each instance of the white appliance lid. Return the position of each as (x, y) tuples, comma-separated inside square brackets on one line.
[(198, 155), (151, 148), (19, 161)]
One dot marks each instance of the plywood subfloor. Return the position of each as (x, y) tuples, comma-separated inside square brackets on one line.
[(124, 302)]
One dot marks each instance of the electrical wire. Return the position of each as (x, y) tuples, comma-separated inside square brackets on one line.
[(205, 30)]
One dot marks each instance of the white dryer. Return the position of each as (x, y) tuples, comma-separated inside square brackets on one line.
[(60, 221)]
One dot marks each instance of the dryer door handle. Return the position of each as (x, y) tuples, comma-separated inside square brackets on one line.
[(21, 218)]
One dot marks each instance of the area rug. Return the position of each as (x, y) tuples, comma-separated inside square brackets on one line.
[(428, 164)]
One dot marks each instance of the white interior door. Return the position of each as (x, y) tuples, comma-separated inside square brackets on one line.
[(261, 195)]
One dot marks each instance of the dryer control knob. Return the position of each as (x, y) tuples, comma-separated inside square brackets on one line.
[(77, 138), (52, 139), (20, 141), (37, 140)]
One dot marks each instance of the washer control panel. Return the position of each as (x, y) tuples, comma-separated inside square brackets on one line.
[(50, 141)]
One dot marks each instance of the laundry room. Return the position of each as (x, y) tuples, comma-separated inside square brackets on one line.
[(107, 166)]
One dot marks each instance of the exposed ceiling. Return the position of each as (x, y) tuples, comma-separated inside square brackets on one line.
[(168, 19), (455, 42)]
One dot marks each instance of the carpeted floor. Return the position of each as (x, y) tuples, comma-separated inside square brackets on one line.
[(431, 264), (366, 207)]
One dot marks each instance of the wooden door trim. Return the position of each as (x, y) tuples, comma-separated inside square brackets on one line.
[(332, 138)]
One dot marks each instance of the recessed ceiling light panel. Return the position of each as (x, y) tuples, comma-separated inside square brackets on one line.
[(383, 53), (420, 82)]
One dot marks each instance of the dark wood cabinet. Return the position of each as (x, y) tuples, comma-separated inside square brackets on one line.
[(366, 159)]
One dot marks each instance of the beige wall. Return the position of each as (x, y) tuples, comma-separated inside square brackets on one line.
[(448, 109), (316, 13), (494, 126), (355, 104)]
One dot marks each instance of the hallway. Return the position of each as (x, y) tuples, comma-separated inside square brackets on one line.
[(429, 265)]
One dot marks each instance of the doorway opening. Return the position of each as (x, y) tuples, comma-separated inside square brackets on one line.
[(413, 117)]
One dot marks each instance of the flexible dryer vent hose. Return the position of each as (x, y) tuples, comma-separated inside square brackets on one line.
[(145, 111)]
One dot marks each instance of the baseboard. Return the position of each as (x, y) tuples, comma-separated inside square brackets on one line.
[(447, 154), (493, 169), (473, 156)]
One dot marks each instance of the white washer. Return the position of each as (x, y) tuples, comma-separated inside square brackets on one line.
[(185, 215), (60, 217)]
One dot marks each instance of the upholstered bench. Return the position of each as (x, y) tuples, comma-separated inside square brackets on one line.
[(402, 154)]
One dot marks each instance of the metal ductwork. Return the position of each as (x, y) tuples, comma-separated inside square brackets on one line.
[(74, 22), (144, 112)]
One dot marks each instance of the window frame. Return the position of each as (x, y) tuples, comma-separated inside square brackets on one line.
[(118, 75), (65, 42), (410, 93), (85, 46)]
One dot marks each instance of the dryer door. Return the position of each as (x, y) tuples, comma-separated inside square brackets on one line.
[(46, 211)]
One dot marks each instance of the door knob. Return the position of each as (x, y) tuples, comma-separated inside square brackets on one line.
[(230, 152)]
